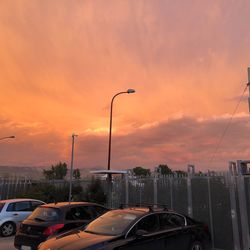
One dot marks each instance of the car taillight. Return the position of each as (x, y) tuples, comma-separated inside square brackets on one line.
[(52, 229)]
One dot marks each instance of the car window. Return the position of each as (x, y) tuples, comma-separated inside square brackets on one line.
[(149, 223), (11, 207), (78, 213), (22, 206), (35, 204), (168, 221), (1, 206), (45, 214), (19, 206)]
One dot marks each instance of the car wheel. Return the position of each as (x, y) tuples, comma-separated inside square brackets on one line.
[(196, 245), (7, 229)]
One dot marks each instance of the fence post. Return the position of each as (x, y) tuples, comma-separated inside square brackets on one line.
[(171, 192), (155, 189), (243, 208), (189, 189), (234, 216), (126, 190), (210, 209), (8, 189)]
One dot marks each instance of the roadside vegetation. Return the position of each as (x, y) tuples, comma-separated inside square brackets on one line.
[(55, 189)]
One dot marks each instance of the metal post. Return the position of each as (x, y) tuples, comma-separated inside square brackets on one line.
[(155, 190), (243, 208), (234, 216), (109, 177), (126, 190), (189, 189), (71, 166), (210, 209), (171, 192)]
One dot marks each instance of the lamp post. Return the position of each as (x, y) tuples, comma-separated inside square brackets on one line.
[(71, 166), (7, 137), (129, 91)]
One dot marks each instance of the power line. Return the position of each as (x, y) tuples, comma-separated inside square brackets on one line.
[(227, 126)]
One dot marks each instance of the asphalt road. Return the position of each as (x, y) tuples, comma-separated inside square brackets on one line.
[(7, 243)]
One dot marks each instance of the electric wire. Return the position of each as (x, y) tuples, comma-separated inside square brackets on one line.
[(227, 126)]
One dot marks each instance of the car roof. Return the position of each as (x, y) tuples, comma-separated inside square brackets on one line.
[(18, 199), (136, 210), (70, 204), (146, 208)]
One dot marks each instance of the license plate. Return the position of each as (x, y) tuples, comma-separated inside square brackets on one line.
[(25, 248)]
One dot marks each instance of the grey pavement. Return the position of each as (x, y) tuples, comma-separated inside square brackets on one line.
[(7, 243)]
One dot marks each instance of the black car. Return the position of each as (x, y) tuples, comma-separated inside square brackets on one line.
[(54, 218), (136, 229)]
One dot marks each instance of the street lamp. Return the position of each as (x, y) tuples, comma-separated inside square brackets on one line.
[(7, 137), (129, 91), (71, 166)]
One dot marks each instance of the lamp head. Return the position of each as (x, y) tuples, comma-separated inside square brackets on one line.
[(130, 91)]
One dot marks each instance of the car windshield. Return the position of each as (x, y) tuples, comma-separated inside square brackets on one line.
[(112, 223), (1, 206), (45, 214)]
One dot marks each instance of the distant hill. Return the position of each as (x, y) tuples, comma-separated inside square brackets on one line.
[(20, 171), (34, 173)]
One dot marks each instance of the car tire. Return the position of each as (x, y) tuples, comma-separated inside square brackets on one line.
[(7, 229), (196, 245)]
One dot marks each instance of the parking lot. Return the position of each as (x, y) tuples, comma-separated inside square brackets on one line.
[(7, 243)]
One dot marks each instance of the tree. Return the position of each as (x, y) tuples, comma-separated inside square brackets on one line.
[(94, 192), (49, 174), (76, 174), (140, 171), (164, 169), (57, 172)]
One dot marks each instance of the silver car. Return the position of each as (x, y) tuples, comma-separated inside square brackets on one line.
[(12, 212)]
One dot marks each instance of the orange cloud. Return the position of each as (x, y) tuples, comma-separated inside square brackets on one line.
[(62, 61)]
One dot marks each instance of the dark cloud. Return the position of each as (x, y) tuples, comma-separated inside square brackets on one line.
[(177, 142)]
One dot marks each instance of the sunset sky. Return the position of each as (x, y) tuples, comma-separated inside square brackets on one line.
[(62, 61)]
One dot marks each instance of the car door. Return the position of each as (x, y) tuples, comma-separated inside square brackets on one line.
[(19, 211), (76, 216), (149, 239), (173, 226)]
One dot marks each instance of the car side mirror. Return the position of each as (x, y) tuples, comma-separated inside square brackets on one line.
[(140, 233)]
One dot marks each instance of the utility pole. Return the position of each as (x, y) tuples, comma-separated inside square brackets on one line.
[(71, 166)]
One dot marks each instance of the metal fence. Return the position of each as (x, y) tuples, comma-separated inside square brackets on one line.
[(222, 200)]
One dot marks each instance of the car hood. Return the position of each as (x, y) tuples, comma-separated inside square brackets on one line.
[(77, 241)]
